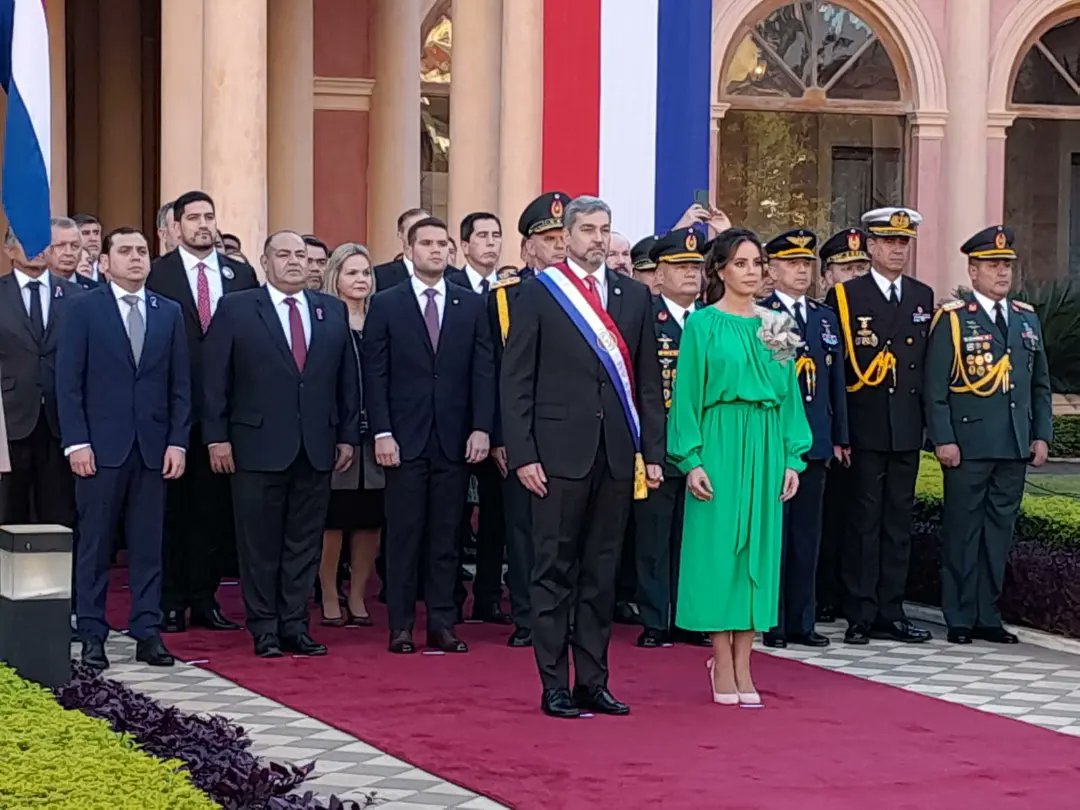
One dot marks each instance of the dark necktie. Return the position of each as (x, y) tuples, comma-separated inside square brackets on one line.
[(296, 334), (894, 297), (999, 321), (800, 320), (37, 319), (484, 287), (431, 318)]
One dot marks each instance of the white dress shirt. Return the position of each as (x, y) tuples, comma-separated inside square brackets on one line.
[(599, 276), (408, 265), (789, 302), (213, 276), (883, 284), (988, 305), (277, 298), (421, 299), (679, 313), (43, 293), (475, 279)]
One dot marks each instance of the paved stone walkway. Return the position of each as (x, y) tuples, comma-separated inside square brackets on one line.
[(1025, 681)]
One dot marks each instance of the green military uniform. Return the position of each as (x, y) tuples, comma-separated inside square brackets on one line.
[(988, 391)]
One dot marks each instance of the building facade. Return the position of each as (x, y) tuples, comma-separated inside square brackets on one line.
[(333, 116)]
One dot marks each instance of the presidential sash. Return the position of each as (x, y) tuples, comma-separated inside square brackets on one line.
[(605, 339)]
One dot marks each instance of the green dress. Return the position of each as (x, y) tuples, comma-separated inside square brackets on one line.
[(737, 412)]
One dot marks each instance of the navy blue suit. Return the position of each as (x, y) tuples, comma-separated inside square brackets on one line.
[(85, 282), (825, 398), (430, 400), (129, 414), (283, 425)]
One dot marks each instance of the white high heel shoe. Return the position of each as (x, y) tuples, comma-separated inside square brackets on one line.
[(720, 698), (750, 700)]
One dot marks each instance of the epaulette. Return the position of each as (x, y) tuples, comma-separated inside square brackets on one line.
[(949, 306), (1024, 305), (506, 282)]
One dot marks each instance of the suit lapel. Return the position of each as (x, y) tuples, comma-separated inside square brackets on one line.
[(615, 295), (317, 318), (228, 275), (180, 290), (265, 308), (412, 305), (119, 328), (57, 293), (154, 329), (451, 316), (12, 297)]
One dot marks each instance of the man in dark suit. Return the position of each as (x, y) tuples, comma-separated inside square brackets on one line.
[(543, 244), (198, 519), (572, 438), (90, 231), (820, 369), (429, 382), (125, 407), (884, 320), (281, 411), (393, 273), (33, 304), (64, 252)]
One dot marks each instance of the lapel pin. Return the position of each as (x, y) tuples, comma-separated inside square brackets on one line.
[(58, 292), (618, 290), (318, 313), (153, 302), (453, 300), (227, 272)]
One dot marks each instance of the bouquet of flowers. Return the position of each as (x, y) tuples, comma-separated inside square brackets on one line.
[(779, 334)]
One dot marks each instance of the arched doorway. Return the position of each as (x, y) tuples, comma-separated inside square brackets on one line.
[(1042, 153), (811, 123)]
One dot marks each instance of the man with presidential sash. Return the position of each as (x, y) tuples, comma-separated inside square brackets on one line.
[(820, 369), (988, 412), (583, 421), (543, 244), (658, 519), (884, 320)]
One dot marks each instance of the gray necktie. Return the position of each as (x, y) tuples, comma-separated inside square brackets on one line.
[(431, 318), (136, 326)]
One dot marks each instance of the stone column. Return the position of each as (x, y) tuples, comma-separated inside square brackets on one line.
[(968, 24), (394, 144), (521, 117), (997, 131), (291, 115), (927, 194), (55, 18), (474, 108), (234, 117), (120, 114), (181, 98)]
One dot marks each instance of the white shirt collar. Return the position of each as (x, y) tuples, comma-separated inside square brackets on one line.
[(23, 279), (988, 304), (277, 297), (475, 278), (790, 302), (408, 264), (419, 287), (600, 274), (677, 310), (120, 292), (190, 260), (883, 283)]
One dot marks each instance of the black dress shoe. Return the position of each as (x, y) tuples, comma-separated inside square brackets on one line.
[(401, 642), (302, 644), (995, 635), (900, 630), (811, 639), (959, 635), (267, 646), (174, 622), (826, 614), (651, 638), (93, 654), (627, 613), (599, 701), (152, 651), (491, 614), (692, 637), (777, 641), (856, 634), (558, 703), (446, 641), (521, 637), (212, 619)]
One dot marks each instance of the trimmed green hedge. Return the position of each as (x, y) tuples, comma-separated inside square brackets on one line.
[(1066, 437), (63, 760)]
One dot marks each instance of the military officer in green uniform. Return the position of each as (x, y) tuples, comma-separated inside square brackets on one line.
[(543, 244), (658, 519), (988, 413)]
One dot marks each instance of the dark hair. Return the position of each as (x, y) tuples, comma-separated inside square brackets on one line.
[(410, 212), (722, 251), (123, 230), (468, 225), (426, 222), (313, 241), (86, 219), (189, 198), (232, 236)]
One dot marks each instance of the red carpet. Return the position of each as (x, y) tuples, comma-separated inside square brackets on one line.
[(825, 740)]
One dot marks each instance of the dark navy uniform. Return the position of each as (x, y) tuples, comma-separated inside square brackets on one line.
[(658, 519), (884, 335), (988, 392), (820, 369)]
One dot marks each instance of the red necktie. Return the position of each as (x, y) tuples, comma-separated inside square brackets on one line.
[(592, 292), (202, 287), (296, 334)]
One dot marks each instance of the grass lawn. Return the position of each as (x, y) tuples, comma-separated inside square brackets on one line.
[(1053, 484)]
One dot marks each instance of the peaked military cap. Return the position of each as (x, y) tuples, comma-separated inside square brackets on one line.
[(639, 254), (992, 243), (798, 243), (892, 221), (682, 245), (545, 213), (843, 247)]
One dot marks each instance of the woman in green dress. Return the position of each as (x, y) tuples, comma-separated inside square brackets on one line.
[(738, 430)]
